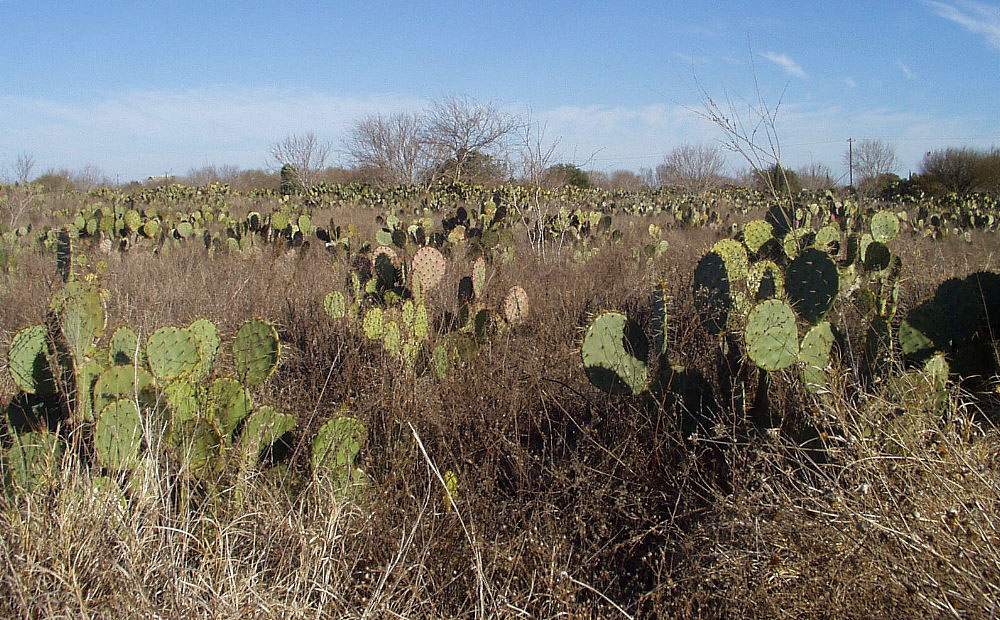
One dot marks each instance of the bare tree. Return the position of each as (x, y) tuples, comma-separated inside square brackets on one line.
[(390, 147), (21, 192), (692, 167), (868, 159), (536, 153), (304, 151), (816, 176), (461, 131)]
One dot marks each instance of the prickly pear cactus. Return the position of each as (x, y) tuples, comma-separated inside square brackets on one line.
[(815, 356), (118, 435), (28, 362), (264, 427), (614, 354), (771, 336), (335, 305), (336, 445), (372, 323), (812, 283), (80, 307), (207, 335), (33, 459), (122, 382), (123, 349), (172, 353), (885, 226), (515, 305), (429, 266), (256, 351), (756, 233), (479, 277), (228, 402)]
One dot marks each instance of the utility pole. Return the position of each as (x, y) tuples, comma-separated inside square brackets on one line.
[(850, 161)]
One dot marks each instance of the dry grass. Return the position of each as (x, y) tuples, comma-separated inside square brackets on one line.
[(571, 503)]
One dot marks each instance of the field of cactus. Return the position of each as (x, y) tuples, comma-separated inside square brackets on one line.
[(500, 402)]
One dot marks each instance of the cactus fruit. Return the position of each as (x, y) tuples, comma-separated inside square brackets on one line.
[(123, 349), (256, 351), (336, 445), (207, 335), (815, 356), (812, 283), (614, 354), (771, 337), (118, 435), (429, 266), (28, 362), (515, 305), (172, 353), (884, 226)]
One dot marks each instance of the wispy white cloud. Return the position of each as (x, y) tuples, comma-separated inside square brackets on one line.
[(910, 75), (849, 82), (976, 17), (788, 65)]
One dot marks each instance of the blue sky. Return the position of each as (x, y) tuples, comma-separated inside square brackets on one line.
[(146, 88)]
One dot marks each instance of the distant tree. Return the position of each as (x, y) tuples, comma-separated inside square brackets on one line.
[(475, 168), (20, 194), (778, 181), (291, 180), (206, 175), (561, 175), (816, 176), (868, 159), (460, 132), (305, 152), (694, 168), (626, 180), (55, 182), (389, 148), (535, 152), (963, 169)]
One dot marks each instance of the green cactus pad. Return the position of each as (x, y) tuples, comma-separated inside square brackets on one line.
[(614, 354), (734, 255), (515, 305), (765, 280), (182, 401), (756, 233), (337, 444), (771, 336), (876, 256), (372, 323), (815, 356), (812, 283), (207, 335), (264, 427), (118, 435), (172, 353), (885, 226), (828, 239), (429, 266), (335, 305), (256, 351), (228, 403), (122, 382), (80, 306), (86, 377), (33, 460), (391, 338), (28, 362), (712, 296), (123, 349)]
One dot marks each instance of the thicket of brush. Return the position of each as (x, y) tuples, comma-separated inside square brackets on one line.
[(567, 501)]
